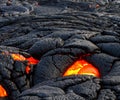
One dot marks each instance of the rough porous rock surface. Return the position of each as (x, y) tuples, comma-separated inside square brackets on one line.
[(57, 33), (12, 72)]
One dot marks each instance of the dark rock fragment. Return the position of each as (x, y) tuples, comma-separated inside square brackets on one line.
[(106, 94), (45, 45)]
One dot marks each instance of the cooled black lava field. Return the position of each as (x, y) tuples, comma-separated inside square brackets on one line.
[(40, 40)]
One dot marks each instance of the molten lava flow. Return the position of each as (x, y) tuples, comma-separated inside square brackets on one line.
[(31, 61), (18, 57), (3, 92), (27, 69), (82, 67)]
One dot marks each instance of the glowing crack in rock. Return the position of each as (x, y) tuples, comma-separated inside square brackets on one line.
[(31, 61)]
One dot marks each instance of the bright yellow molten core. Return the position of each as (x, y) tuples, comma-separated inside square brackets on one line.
[(3, 92), (82, 67)]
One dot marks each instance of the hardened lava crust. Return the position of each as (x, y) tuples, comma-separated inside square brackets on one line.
[(56, 33)]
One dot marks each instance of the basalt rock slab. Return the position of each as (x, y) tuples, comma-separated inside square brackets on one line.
[(70, 88)]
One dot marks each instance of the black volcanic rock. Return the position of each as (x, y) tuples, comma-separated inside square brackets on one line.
[(12, 73), (70, 88)]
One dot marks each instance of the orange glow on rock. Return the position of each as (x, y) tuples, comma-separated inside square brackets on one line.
[(3, 92), (31, 61), (18, 57), (27, 69), (82, 67)]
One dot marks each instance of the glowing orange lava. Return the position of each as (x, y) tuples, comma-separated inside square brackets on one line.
[(3, 92), (31, 61), (82, 67), (27, 69), (18, 57)]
